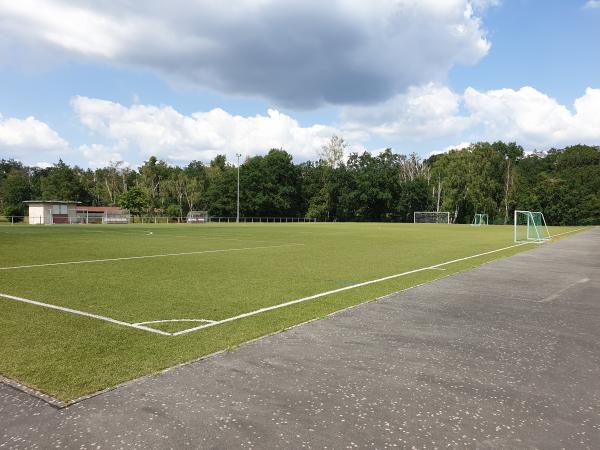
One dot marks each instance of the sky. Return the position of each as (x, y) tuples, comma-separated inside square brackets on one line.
[(100, 81)]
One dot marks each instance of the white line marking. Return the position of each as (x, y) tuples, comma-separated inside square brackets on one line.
[(83, 313), (346, 288), (174, 320), (126, 258), (140, 325), (562, 291)]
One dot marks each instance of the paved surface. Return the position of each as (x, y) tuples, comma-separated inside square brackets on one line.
[(503, 356)]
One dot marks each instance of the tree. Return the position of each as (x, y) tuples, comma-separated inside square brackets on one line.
[(333, 152), (271, 185), (135, 200), (493, 178), (152, 174), (62, 183), (14, 190), (511, 153)]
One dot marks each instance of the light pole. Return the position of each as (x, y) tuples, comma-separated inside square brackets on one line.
[(237, 218)]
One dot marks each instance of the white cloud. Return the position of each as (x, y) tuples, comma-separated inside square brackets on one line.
[(526, 116), (423, 115), (592, 4), (98, 155), (481, 5), (423, 112), (459, 146), (295, 52), (24, 137), (162, 131), (533, 118)]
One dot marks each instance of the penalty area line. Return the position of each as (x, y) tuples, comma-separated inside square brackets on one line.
[(346, 288), (85, 314), (210, 323)]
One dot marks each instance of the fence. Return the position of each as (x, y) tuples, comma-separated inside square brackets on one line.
[(81, 220), (263, 220)]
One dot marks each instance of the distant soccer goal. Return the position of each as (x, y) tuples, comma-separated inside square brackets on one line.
[(100, 215), (197, 217), (116, 217), (530, 226), (480, 219), (431, 217)]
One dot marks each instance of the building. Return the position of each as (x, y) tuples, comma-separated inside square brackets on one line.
[(47, 212), (50, 212)]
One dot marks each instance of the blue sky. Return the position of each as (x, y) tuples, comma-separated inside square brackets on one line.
[(94, 82)]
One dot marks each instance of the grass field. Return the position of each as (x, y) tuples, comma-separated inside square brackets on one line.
[(166, 294)]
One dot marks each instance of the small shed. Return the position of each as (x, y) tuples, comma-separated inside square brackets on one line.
[(47, 212)]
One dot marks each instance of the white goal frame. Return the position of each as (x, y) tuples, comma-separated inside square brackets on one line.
[(197, 217), (435, 217), (484, 219), (535, 232)]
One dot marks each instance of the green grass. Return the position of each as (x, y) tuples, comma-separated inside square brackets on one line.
[(68, 356)]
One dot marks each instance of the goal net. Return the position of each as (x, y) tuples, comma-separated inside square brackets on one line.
[(480, 219), (197, 217), (115, 217), (431, 217), (530, 226)]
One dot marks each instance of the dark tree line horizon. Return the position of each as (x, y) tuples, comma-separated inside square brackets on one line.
[(493, 178)]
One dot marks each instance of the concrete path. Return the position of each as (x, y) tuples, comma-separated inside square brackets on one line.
[(503, 356)]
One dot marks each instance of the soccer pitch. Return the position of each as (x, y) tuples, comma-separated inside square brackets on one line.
[(84, 307)]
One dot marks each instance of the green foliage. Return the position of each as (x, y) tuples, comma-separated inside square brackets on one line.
[(491, 178), (135, 200), (271, 185), (62, 182), (14, 188)]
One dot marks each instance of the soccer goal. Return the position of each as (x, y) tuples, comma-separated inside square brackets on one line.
[(480, 219), (431, 217), (121, 216), (530, 226), (197, 217)]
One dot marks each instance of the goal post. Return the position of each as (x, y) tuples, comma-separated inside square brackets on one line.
[(197, 217), (121, 216), (530, 226), (480, 219), (431, 217)]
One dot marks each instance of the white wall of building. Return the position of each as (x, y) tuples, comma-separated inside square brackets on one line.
[(37, 214)]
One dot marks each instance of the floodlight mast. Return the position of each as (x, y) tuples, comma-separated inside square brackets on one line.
[(237, 217)]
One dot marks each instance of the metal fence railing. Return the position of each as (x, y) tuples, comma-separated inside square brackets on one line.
[(82, 220), (263, 219)]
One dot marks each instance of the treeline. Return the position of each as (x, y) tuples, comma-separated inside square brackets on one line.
[(493, 178)]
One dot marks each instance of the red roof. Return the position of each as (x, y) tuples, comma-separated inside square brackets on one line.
[(100, 209)]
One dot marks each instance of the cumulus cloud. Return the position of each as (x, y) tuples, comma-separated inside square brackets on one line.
[(527, 116), (294, 52), (423, 115), (28, 137), (99, 155), (459, 146), (164, 132), (423, 112), (533, 118)]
